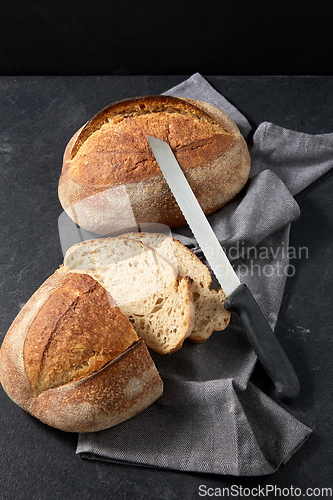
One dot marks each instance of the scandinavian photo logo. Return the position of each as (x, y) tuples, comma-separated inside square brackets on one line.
[(267, 261)]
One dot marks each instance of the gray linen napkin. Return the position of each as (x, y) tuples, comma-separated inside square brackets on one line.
[(211, 418)]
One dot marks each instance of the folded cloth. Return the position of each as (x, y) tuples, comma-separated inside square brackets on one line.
[(211, 418), (197, 87), (297, 158)]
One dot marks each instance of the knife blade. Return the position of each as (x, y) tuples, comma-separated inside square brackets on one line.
[(239, 297)]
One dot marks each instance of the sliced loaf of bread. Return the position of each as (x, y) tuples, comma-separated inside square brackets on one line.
[(144, 285), (210, 314)]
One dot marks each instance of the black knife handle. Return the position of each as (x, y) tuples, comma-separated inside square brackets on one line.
[(264, 343)]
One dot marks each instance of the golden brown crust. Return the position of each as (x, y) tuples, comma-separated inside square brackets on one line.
[(120, 390), (77, 331), (112, 150), (73, 360), (139, 106)]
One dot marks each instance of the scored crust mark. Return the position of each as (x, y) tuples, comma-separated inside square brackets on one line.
[(104, 397), (77, 332), (113, 149), (120, 110)]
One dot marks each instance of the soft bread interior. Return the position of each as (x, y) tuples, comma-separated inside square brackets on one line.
[(210, 314), (163, 317), (143, 284)]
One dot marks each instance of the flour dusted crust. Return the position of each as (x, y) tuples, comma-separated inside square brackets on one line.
[(112, 152), (72, 359)]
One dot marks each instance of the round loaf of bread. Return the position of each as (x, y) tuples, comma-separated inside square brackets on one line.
[(110, 180), (72, 359)]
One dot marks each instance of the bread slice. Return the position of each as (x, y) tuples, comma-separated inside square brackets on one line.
[(144, 285), (210, 314), (72, 359)]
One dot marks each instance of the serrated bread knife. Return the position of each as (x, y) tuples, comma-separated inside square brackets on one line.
[(239, 298)]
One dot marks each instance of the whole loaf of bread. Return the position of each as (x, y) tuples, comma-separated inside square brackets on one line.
[(110, 180), (72, 359)]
